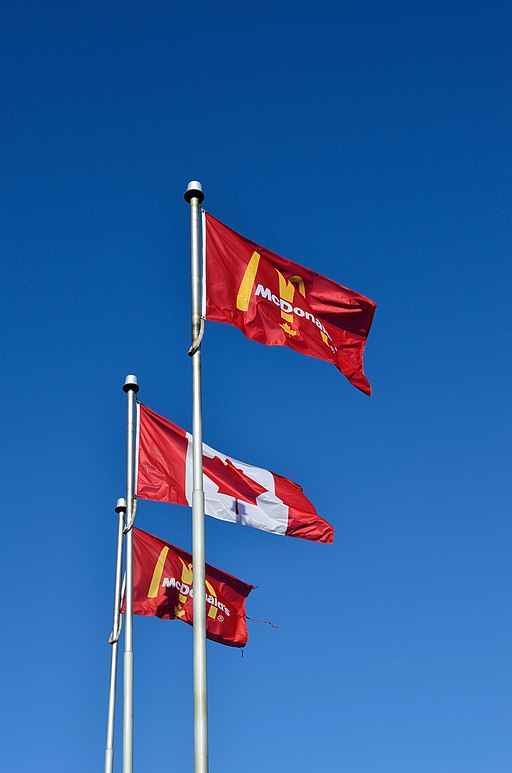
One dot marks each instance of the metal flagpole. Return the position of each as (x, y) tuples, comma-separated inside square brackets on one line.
[(131, 388), (114, 640), (194, 196)]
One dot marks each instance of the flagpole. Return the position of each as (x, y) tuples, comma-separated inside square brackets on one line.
[(131, 388), (114, 640), (194, 196)]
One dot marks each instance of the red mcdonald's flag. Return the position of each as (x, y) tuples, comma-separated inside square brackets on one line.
[(163, 586), (280, 303)]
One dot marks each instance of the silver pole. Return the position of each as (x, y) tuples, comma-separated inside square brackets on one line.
[(194, 195), (131, 388), (114, 640)]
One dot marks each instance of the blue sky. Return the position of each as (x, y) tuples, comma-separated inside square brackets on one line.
[(371, 143)]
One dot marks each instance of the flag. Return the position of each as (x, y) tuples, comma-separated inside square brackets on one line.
[(163, 586), (280, 303), (234, 491)]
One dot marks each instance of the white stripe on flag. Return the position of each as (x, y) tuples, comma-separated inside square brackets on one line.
[(269, 514)]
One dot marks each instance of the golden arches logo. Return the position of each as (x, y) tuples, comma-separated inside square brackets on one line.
[(287, 289), (187, 578)]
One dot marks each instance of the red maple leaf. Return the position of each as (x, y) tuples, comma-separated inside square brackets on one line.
[(231, 480)]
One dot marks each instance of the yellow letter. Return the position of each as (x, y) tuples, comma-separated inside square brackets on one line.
[(187, 577), (212, 612), (287, 291), (247, 283), (157, 574)]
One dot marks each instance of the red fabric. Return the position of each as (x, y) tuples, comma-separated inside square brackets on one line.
[(225, 594), (162, 459), (332, 323), (303, 519)]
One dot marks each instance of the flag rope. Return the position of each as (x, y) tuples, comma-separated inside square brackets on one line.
[(196, 343), (114, 637), (265, 622), (129, 525)]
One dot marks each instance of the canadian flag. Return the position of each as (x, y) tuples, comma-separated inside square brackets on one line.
[(234, 491)]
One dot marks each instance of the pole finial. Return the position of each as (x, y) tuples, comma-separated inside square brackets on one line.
[(121, 505), (131, 383), (194, 190)]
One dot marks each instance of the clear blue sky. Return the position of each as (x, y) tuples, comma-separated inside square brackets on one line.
[(371, 143)]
